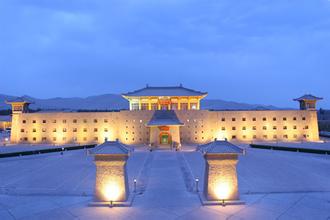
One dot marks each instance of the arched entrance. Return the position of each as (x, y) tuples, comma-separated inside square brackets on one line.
[(165, 138)]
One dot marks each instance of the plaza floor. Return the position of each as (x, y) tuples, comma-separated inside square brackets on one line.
[(274, 185)]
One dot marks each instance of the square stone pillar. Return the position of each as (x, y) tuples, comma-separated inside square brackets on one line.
[(221, 177), (111, 183)]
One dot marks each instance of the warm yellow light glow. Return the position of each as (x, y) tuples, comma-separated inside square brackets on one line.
[(221, 136), (222, 190), (112, 192)]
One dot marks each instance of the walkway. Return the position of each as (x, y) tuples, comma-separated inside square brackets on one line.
[(166, 187)]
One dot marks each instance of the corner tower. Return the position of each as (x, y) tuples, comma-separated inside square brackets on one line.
[(308, 102)]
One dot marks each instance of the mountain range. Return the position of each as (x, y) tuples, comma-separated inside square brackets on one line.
[(116, 102)]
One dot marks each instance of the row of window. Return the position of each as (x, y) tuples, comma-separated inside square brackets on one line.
[(285, 136), (265, 119), (65, 139), (64, 121), (65, 130), (265, 128)]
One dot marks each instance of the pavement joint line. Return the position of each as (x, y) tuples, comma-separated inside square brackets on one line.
[(295, 203), (247, 206)]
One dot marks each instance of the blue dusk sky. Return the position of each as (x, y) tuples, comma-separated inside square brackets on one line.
[(258, 51)]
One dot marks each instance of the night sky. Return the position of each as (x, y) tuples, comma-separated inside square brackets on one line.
[(260, 51)]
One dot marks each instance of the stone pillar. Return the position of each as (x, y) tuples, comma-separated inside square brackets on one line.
[(111, 183), (188, 104), (140, 105), (149, 104), (179, 104), (221, 177)]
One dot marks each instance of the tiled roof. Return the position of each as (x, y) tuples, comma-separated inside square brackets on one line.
[(308, 97), (165, 91), (112, 147), (164, 117), (220, 147), (19, 99)]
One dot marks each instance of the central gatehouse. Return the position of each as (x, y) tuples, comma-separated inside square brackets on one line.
[(162, 116)]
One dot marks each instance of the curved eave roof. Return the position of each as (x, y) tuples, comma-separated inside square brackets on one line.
[(220, 147), (164, 91), (308, 97), (162, 118)]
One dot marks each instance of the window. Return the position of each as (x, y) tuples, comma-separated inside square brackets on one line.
[(85, 129), (285, 127), (244, 128), (233, 128), (64, 121), (274, 128), (295, 127), (64, 130), (105, 120), (85, 120), (244, 136), (34, 121), (44, 121), (54, 121), (106, 130), (24, 121), (264, 119), (233, 137), (135, 106), (223, 128), (294, 118), (303, 118), (274, 119), (64, 139), (265, 136), (284, 119), (144, 106), (34, 139), (254, 119), (44, 130), (54, 130), (95, 129), (275, 136), (264, 127), (295, 136), (54, 138), (285, 136), (34, 130), (74, 120), (243, 119), (95, 120), (254, 128), (44, 139), (22, 130), (75, 130), (223, 119), (85, 138), (96, 138), (233, 119), (254, 137), (306, 127)]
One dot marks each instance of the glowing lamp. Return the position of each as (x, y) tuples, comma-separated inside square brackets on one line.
[(221, 158), (111, 173)]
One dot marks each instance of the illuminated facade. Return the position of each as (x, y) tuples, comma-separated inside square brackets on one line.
[(162, 116)]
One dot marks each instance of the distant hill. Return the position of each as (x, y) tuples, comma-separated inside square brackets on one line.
[(116, 102)]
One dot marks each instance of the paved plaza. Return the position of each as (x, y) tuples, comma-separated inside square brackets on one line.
[(273, 184)]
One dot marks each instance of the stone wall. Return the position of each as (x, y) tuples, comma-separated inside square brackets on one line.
[(129, 127)]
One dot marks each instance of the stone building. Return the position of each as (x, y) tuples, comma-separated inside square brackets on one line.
[(161, 116)]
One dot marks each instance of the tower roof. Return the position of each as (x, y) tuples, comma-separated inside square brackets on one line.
[(112, 147), (164, 91), (18, 100), (308, 97), (220, 147), (164, 117)]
